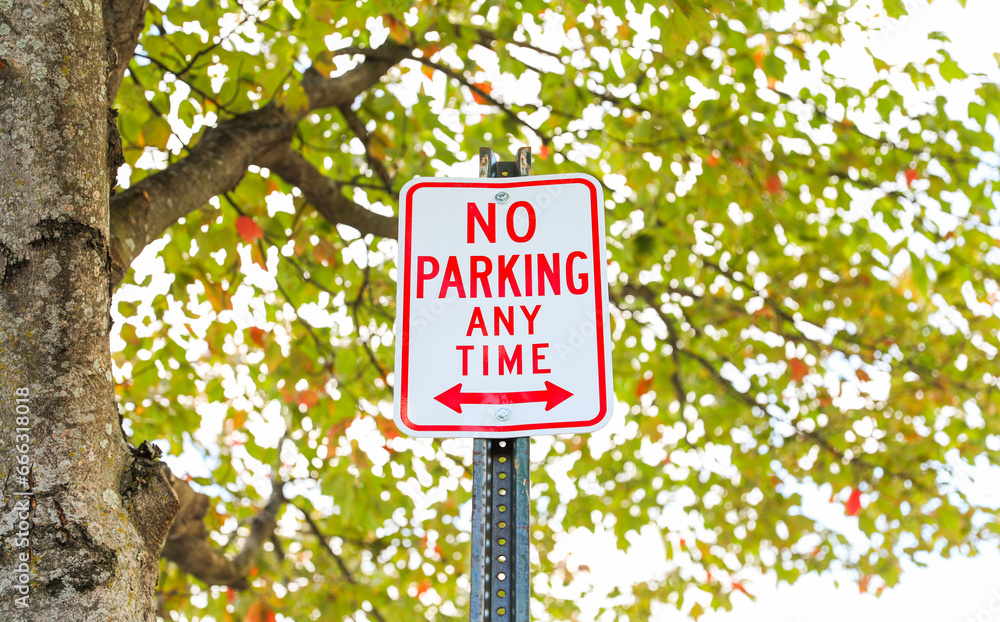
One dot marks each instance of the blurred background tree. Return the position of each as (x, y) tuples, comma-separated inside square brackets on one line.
[(804, 281)]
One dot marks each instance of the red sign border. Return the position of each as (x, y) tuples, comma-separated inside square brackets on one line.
[(403, 378)]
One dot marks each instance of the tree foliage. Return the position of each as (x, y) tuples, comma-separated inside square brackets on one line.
[(803, 278)]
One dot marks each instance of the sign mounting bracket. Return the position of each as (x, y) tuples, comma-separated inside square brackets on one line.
[(501, 571)]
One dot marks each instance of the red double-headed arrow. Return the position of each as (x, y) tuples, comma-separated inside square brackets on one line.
[(552, 395)]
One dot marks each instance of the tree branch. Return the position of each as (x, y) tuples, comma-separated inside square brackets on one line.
[(219, 161), (188, 544), (324, 194), (124, 21), (358, 127), (325, 543), (214, 165), (324, 92), (451, 73)]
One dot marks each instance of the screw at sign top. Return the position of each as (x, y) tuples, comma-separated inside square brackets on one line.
[(502, 197), (503, 414)]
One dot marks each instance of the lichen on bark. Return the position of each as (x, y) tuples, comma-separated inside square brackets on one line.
[(88, 558)]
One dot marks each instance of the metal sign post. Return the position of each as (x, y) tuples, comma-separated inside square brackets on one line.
[(528, 253), (501, 574)]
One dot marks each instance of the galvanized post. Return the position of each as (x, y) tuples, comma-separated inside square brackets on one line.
[(501, 573)]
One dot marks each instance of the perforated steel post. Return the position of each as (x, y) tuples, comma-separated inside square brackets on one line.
[(501, 580)]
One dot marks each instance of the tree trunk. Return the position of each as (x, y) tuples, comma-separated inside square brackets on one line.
[(84, 516)]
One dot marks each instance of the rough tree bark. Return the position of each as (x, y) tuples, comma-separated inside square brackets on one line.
[(84, 515)]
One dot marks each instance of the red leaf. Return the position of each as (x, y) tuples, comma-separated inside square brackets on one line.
[(643, 386), (257, 336), (799, 369), (308, 398), (863, 583), (248, 229), (387, 427), (397, 29), (258, 255), (853, 505), (774, 184), (325, 253), (259, 612), (738, 587), (911, 176), (485, 88), (712, 160), (543, 153), (423, 587)]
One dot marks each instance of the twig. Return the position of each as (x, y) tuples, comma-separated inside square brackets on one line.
[(324, 542)]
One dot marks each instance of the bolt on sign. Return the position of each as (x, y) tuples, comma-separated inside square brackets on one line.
[(502, 307)]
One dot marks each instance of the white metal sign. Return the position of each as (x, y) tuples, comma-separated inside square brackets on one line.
[(502, 307)]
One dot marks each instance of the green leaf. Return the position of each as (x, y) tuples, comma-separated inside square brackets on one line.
[(155, 133), (755, 235)]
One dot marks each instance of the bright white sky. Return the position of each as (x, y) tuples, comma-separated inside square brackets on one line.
[(956, 590)]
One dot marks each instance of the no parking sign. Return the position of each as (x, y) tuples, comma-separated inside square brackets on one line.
[(502, 308)]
